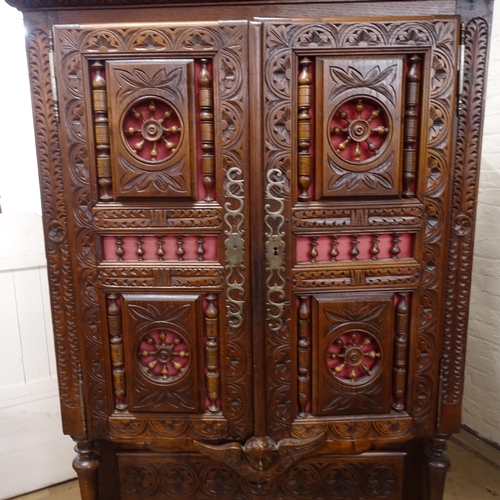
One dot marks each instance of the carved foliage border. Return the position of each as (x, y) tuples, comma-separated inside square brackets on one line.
[(229, 42), (463, 212), (281, 38), (56, 236)]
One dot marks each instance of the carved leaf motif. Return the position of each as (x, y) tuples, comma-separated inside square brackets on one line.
[(365, 314), (179, 398), (371, 179), (171, 313), (376, 79), (169, 179), (277, 36), (140, 79)]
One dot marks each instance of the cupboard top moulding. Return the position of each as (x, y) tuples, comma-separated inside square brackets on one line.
[(259, 223)]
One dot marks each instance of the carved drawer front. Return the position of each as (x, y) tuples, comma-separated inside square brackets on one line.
[(196, 477), (162, 341), (358, 351)]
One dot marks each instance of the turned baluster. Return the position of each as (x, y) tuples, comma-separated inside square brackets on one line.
[(201, 249), (395, 250), (375, 250), (335, 249), (400, 353), (212, 351), (180, 248), (161, 251), (207, 129), (304, 351), (314, 249), (304, 128), (411, 126), (354, 250), (120, 252), (140, 250)]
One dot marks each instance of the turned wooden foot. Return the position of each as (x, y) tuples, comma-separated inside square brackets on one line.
[(86, 464), (436, 467)]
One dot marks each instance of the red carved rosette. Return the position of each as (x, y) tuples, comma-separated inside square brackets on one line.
[(152, 129), (359, 129), (164, 355), (354, 357)]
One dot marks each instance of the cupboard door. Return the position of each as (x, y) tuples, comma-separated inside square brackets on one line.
[(154, 139), (358, 140)]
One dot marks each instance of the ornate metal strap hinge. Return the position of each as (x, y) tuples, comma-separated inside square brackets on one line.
[(53, 82), (260, 459), (461, 63)]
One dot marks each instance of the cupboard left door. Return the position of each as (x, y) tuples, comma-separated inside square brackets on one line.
[(154, 151)]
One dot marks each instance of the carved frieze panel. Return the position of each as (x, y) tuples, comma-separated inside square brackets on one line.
[(162, 340), (352, 351), (370, 476), (153, 143), (358, 126)]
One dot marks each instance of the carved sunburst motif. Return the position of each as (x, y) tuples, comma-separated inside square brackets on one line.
[(353, 356), (358, 130), (164, 355), (152, 129)]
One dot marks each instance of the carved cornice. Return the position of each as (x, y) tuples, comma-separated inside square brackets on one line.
[(73, 4)]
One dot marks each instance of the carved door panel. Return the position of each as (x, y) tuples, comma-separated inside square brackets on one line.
[(358, 139), (155, 158)]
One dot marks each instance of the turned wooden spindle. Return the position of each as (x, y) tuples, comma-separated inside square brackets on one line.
[(314, 249), (86, 464), (140, 249), (207, 129), (180, 248), (411, 126), (161, 251), (212, 353), (304, 357), (201, 249), (400, 353), (117, 354), (101, 127), (304, 128), (395, 250), (375, 250), (120, 252), (335, 248), (354, 250)]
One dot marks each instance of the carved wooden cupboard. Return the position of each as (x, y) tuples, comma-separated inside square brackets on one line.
[(259, 221)]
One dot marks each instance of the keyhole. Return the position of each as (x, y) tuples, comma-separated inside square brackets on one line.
[(275, 250)]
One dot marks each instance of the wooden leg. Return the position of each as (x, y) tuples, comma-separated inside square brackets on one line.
[(436, 466), (86, 464)]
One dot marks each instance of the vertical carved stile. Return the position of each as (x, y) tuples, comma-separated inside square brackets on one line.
[(400, 353), (411, 126), (304, 128), (212, 350), (116, 341), (304, 349), (207, 129), (101, 126)]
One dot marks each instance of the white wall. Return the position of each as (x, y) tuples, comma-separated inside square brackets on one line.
[(481, 406)]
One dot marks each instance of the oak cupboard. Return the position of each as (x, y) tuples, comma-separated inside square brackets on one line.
[(259, 225)]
